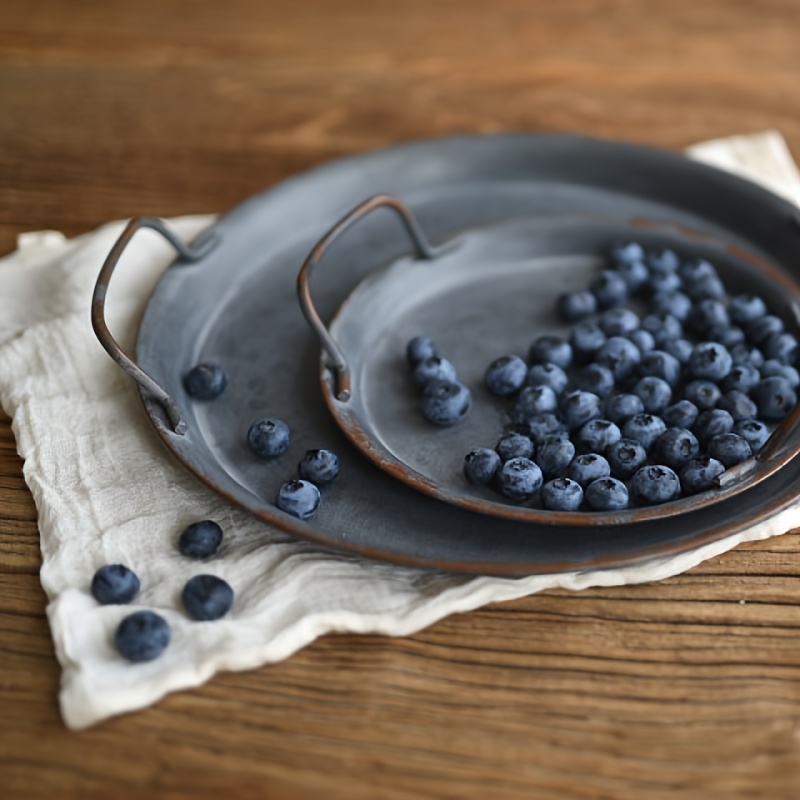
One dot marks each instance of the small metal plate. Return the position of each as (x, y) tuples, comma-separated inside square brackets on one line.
[(237, 306)]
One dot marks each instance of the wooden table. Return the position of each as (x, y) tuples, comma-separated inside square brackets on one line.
[(688, 687)]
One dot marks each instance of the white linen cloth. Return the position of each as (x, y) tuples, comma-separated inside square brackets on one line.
[(107, 493)]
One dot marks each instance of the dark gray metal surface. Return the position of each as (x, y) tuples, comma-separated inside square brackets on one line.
[(237, 306)]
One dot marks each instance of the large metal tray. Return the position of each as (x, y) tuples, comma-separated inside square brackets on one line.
[(231, 299)]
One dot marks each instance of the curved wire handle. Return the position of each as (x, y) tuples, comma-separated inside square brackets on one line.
[(99, 302), (337, 361)]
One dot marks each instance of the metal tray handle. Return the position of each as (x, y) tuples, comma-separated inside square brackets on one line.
[(99, 302), (337, 361)]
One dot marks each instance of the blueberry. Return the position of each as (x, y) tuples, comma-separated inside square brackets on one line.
[(710, 361), (655, 394), (481, 465), (753, 431), (588, 467), (708, 314), (445, 402), (548, 375), (679, 348), (643, 340), (708, 288), (729, 449), (682, 414), (625, 457), (664, 282), (420, 348), (656, 483), (675, 447), (627, 253), (434, 368), (703, 394), (299, 498), (586, 339), (578, 407), (205, 381), (505, 375), (553, 454), (540, 426), (664, 260), (660, 364), (514, 445), (738, 405), (619, 355), (321, 467), (621, 407), (743, 354), (519, 478), (562, 494), (663, 327), (759, 330), (693, 271), (606, 494), (675, 303), (114, 584), (712, 423), (746, 308), (207, 597), (701, 474), (575, 306), (774, 368), (741, 378), (643, 428), (550, 350), (619, 322), (268, 438), (597, 435), (781, 347), (774, 397), (200, 539), (596, 379), (610, 289), (727, 335), (142, 636), (635, 274), (535, 400)]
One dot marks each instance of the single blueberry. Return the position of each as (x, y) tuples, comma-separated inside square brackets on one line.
[(664, 282), (774, 368), (514, 445), (594, 378), (610, 289), (621, 407), (205, 381), (738, 405), (207, 597), (142, 636), (597, 435), (643, 340), (693, 271), (481, 465), (578, 407), (746, 308), (729, 449), (727, 335), (708, 314), (434, 368), (625, 457), (627, 253), (664, 260), (619, 355), (660, 364), (550, 350), (575, 306), (663, 327), (505, 375), (710, 361), (655, 394), (519, 478), (445, 403), (588, 467), (299, 498), (682, 414), (759, 330), (753, 431), (703, 394), (781, 347), (675, 303), (711, 423), (774, 397), (586, 339), (200, 539), (268, 438), (535, 400), (635, 274), (606, 494), (741, 378), (743, 354), (709, 288), (656, 483), (420, 348), (561, 494), (701, 474), (675, 447), (553, 454), (679, 348), (619, 322), (321, 467), (548, 375), (114, 584), (643, 428)]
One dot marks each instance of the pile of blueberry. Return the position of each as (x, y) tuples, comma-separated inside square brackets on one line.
[(639, 409)]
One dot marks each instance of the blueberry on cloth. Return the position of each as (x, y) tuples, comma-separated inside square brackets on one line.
[(114, 584), (445, 402), (656, 483), (299, 498), (738, 405), (535, 400), (514, 445), (625, 457), (550, 350), (434, 368), (519, 478), (207, 597), (205, 381), (586, 339), (610, 289), (596, 379), (587, 468), (548, 375), (562, 494), (676, 447), (553, 455), (620, 355), (505, 375), (268, 438), (480, 465), (754, 432), (644, 428), (142, 636), (575, 306), (578, 407), (710, 361), (420, 348), (774, 397), (597, 435), (711, 423), (703, 394), (655, 394), (746, 308), (606, 494), (621, 407), (729, 449), (682, 414), (701, 474), (200, 539), (321, 467)]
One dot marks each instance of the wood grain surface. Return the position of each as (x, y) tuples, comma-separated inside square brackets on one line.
[(685, 688)]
